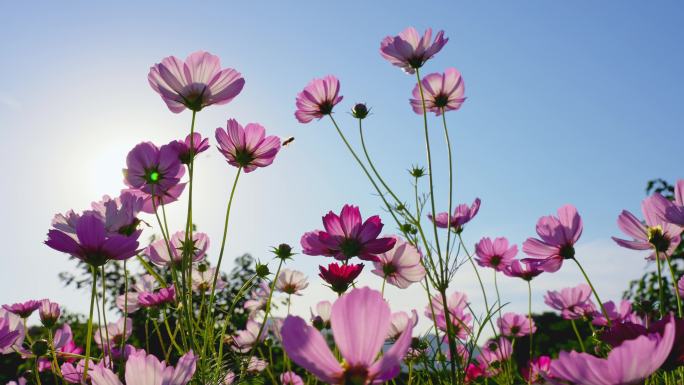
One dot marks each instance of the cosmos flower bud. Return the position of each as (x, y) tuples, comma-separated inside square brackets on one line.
[(39, 348), (262, 270), (417, 172), (283, 251), (360, 111), (49, 313)]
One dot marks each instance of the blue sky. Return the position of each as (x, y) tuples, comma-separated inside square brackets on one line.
[(568, 102)]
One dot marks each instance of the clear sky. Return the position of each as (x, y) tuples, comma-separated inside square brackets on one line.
[(568, 102)]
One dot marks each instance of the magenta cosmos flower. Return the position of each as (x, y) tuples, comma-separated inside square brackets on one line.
[(247, 147), (340, 277), (462, 215), (161, 297), (91, 242), (8, 334), (558, 237), (291, 282), (409, 50), (572, 302), (158, 251), (347, 235), (401, 266), (526, 270), (153, 170), (629, 363), (680, 286), (190, 147), (442, 92), (146, 369), (495, 254), (194, 83), (656, 234), (360, 322), (516, 325), (538, 370), (23, 309), (318, 99)]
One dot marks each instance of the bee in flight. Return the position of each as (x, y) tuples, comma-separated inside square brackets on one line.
[(288, 141)]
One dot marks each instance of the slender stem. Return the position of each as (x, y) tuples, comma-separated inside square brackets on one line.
[(89, 335), (36, 372), (51, 341), (186, 259), (529, 314), (382, 291), (498, 295), (451, 181), (674, 283), (661, 297), (479, 279), (108, 344), (450, 336), (125, 309), (577, 333), (586, 277)]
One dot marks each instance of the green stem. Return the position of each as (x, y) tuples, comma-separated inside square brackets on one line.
[(577, 333), (186, 259), (125, 310), (104, 317), (661, 297), (479, 279), (529, 314), (89, 335), (382, 290), (674, 283), (451, 182), (593, 290)]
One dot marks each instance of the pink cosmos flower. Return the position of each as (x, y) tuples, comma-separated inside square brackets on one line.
[(158, 251), (8, 334), (347, 235), (656, 234), (558, 237), (409, 50), (291, 378), (572, 302), (321, 319), (473, 372), (247, 147), (442, 92), (153, 170), (64, 343), (526, 270), (318, 99), (161, 297), (615, 313), (73, 374), (256, 365), (494, 353), (399, 322), (244, 340), (462, 215), (117, 332), (516, 325), (23, 309), (189, 148), (340, 277), (129, 301), (120, 215), (457, 305), (12, 324), (672, 211), (91, 242), (629, 363), (538, 370), (291, 282), (496, 254), (229, 378), (360, 322), (49, 313), (146, 369), (195, 83), (203, 280), (401, 266)]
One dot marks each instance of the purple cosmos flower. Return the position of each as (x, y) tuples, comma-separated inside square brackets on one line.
[(572, 302), (189, 148), (23, 309), (196, 83), (146, 369), (360, 322), (160, 297), (247, 147), (629, 363), (496, 254), (680, 286), (129, 301), (291, 378), (73, 374), (203, 280), (64, 343), (457, 305), (244, 340), (153, 170), (526, 270), (656, 234), (558, 237), (409, 50), (442, 92), (494, 353), (672, 212), (346, 236), (318, 99), (291, 282), (49, 313), (516, 325), (91, 242), (539, 369), (120, 214), (462, 215), (340, 277), (401, 266), (158, 251), (615, 313), (11, 324), (8, 334)]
